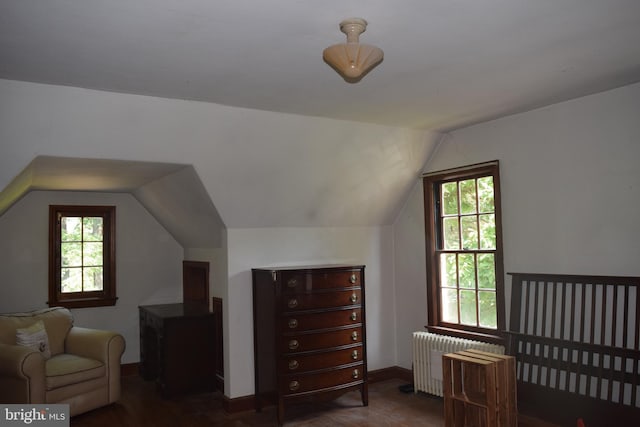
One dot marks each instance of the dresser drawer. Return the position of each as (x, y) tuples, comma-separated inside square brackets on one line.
[(303, 363), (327, 320), (321, 300), (294, 384), (319, 341), (296, 282)]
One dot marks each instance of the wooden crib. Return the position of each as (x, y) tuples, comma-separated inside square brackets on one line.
[(577, 344)]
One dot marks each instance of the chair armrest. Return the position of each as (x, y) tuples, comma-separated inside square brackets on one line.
[(95, 344), (21, 374), (20, 361)]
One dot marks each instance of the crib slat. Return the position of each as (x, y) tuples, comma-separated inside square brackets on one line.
[(625, 316), (614, 316), (581, 304), (634, 381), (572, 322), (603, 319), (563, 304), (637, 340), (536, 307), (594, 289), (526, 306)]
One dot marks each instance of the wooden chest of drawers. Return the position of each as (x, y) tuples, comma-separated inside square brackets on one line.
[(309, 334)]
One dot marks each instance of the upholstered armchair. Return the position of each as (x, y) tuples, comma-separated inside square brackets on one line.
[(44, 358)]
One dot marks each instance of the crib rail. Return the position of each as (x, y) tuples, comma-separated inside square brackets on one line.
[(576, 340)]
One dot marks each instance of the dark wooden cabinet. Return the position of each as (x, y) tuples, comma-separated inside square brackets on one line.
[(195, 282), (309, 334), (219, 342), (177, 347)]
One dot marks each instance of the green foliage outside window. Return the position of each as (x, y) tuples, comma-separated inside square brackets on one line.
[(467, 261), (82, 254)]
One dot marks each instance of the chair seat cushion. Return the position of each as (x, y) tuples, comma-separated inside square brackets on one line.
[(66, 369)]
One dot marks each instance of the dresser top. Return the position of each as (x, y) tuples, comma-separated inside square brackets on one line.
[(317, 267)]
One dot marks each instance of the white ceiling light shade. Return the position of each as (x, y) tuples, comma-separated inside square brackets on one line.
[(353, 60)]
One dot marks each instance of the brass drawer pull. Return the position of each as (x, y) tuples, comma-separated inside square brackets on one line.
[(354, 354), (355, 374), (292, 283), (294, 385), (354, 336), (293, 364), (354, 316), (293, 303), (293, 323), (294, 344), (353, 279), (354, 298)]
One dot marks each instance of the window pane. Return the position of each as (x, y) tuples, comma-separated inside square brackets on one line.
[(92, 229), (468, 196), (71, 280), (451, 233), (70, 230), (93, 279), (468, 308), (487, 231), (486, 271), (450, 198), (92, 254), (488, 310), (467, 267), (448, 270), (469, 232), (485, 194), (71, 254), (450, 305), (464, 249)]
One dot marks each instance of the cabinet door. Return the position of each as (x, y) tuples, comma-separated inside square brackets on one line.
[(195, 282)]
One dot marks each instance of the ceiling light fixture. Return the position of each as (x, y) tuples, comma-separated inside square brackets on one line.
[(352, 60)]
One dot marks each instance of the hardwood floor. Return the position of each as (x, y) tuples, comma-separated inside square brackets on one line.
[(141, 405)]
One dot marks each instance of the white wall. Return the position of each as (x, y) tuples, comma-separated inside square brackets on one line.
[(262, 247), (148, 262), (410, 275), (570, 194)]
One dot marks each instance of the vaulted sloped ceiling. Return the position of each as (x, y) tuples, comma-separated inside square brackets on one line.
[(343, 183), (228, 167), (172, 193), (180, 202)]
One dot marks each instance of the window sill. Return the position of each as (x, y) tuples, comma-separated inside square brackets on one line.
[(471, 335), (84, 303)]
